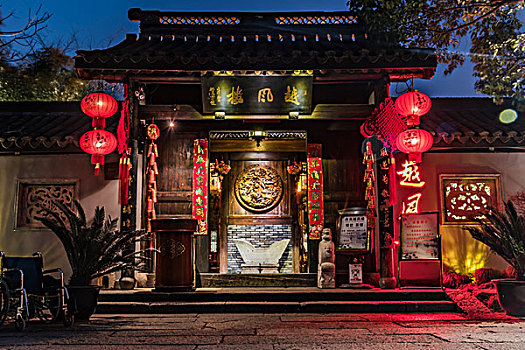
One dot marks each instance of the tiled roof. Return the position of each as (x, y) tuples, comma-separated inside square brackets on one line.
[(171, 42), (44, 126), (471, 123), (57, 126)]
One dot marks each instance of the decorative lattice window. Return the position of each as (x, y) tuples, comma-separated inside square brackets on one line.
[(288, 20), (465, 197), (213, 21), (35, 195)]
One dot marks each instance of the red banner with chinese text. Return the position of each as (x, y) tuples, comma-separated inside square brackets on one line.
[(315, 191), (200, 184)]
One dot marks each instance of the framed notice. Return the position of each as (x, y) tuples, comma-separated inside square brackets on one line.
[(353, 233), (420, 239), (465, 197), (355, 273)]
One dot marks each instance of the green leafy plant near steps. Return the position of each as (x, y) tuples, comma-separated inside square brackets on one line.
[(95, 249), (504, 233)]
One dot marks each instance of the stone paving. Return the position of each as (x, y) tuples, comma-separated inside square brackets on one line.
[(272, 331)]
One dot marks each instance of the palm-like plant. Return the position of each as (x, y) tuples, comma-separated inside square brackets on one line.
[(504, 233), (93, 250)]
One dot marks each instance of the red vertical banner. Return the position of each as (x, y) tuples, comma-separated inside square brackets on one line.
[(200, 184), (315, 191)]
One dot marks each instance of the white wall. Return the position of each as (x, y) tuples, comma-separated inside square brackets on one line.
[(93, 191), (460, 251)]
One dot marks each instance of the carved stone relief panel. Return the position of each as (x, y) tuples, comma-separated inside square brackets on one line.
[(258, 188), (35, 197)]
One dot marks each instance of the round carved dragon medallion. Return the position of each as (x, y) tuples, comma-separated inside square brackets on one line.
[(258, 188)]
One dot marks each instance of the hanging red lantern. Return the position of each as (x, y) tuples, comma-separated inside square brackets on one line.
[(99, 106), (413, 105), (414, 142), (98, 143), (153, 132)]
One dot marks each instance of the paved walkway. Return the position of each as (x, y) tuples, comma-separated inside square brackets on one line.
[(263, 331)]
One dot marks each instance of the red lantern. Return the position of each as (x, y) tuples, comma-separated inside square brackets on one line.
[(153, 132), (414, 142), (98, 143), (99, 106), (413, 104)]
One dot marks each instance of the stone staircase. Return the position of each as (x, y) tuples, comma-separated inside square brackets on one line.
[(275, 300)]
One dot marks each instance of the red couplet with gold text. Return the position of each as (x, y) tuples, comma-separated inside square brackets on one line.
[(315, 191), (200, 184)]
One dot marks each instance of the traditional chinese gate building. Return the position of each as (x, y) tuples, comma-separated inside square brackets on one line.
[(259, 117)]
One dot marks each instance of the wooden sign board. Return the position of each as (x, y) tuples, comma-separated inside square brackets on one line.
[(257, 94), (420, 238)]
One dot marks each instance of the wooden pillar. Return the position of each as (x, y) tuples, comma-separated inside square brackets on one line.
[(386, 223), (128, 212)]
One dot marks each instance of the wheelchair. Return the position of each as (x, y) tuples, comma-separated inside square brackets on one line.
[(27, 290)]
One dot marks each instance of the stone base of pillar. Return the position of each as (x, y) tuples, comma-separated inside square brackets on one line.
[(387, 282)]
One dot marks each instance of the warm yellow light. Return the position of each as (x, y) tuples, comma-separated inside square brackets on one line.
[(461, 253)]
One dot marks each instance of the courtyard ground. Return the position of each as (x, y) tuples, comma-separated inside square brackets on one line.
[(273, 331)]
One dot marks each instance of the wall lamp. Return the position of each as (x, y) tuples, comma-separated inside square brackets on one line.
[(258, 136), (294, 115)]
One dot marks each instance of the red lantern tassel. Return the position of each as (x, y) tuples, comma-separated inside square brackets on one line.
[(124, 166), (99, 123), (97, 160)]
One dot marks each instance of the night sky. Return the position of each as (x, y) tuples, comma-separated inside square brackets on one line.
[(99, 23)]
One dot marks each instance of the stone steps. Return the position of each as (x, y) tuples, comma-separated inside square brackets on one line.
[(276, 307), (307, 300), (236, 280)]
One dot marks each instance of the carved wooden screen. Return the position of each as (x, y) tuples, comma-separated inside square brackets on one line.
[(464, 197), (35, 196), (246, 177)]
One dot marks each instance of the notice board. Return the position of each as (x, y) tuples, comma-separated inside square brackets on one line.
[(420, 250), (354, 233), (420, 237)]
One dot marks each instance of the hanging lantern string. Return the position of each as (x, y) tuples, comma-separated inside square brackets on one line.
[(152, 132)]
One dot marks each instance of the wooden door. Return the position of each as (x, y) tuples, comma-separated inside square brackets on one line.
[(247, 202)]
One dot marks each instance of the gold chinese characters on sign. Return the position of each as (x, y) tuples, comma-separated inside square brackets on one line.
[(258, 188), (267, 94)]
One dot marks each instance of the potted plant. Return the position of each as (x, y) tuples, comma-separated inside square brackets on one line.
[(93, 250), (504, 233)]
